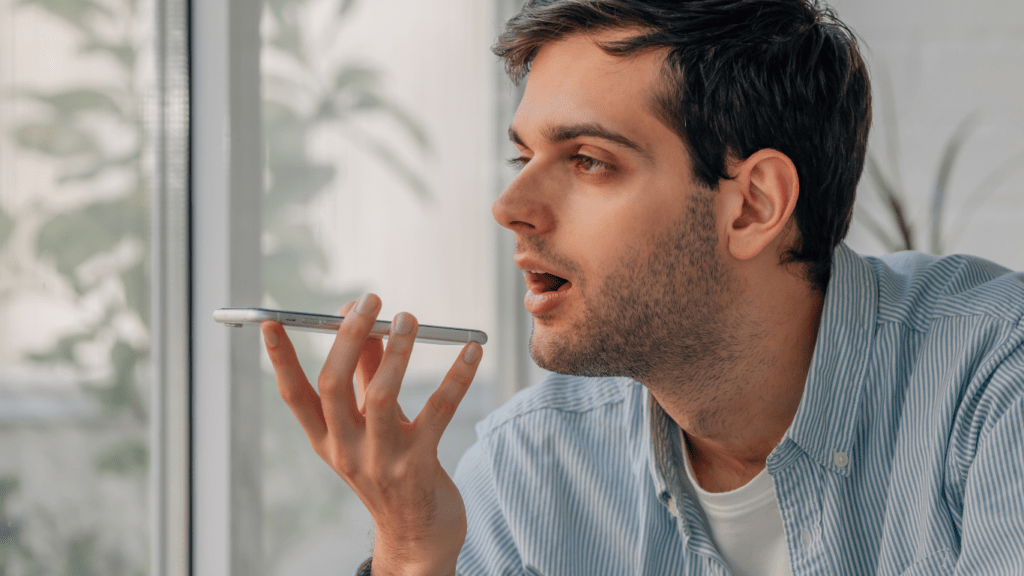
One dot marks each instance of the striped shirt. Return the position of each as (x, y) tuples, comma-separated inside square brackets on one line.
[(905, 456)]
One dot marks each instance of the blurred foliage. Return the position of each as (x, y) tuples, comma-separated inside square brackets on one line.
[(311, 91), (895, 227), (314, 93), (6, 226), (96, 235), (78, 122), (82, 558), (15, 556), (126, 458)]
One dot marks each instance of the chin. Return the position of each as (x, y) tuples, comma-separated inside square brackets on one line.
[(571, 357)]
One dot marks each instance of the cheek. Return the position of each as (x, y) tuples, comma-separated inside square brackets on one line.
[(608, 229), (603, 238)]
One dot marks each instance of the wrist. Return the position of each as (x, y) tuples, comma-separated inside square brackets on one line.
[(392, 561), (381, 566), (411, 556)]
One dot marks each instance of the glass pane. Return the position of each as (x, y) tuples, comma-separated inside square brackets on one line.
[(74, 287), (380, 175)]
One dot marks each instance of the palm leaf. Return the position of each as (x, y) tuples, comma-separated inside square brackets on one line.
[(123, 53), (389, 158), (59, 140), (890, 129), (940, 191), (77, 13), (983, 191), (6, 227), (345, 6), (68, 103), (891, 198)]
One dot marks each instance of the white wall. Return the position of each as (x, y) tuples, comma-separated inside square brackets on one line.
[(938, 61)]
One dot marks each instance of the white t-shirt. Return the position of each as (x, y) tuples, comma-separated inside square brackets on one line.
[(746, 525)]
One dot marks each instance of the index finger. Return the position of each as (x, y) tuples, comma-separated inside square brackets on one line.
[(292, 383)]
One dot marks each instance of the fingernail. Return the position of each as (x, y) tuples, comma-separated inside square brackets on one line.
[(270, 336), (403, 323), (365, 305), (472, 354)]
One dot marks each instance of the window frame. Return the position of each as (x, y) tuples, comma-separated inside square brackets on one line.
[(170, 424), (226, 265)]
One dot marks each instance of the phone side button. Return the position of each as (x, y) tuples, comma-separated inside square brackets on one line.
[(232, 325)]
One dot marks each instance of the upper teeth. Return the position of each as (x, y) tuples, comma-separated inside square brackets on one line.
[(536, 272)]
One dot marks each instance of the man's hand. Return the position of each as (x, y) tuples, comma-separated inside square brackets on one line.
[(390, 462)]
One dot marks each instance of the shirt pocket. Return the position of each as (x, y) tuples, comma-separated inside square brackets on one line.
[(936, 564)]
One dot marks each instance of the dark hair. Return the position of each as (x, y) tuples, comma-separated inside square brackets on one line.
[(741, 76)]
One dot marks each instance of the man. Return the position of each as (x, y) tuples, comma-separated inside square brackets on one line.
[(739, 392)]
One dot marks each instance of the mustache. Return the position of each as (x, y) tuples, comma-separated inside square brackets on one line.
[(538, 248)]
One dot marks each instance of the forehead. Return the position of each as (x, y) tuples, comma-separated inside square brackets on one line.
[(573, 82)]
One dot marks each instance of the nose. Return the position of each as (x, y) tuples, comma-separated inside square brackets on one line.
[(524, 207)]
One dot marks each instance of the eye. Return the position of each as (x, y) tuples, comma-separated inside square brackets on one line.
[(519, 162), (590, 165)]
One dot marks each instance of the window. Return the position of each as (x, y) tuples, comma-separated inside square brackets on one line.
[(86, 399)]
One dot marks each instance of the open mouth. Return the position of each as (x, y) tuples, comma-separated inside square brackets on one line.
[(544, 292), (542, 282)]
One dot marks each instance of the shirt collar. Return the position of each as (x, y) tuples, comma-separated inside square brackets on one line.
[(665, 462), (825, 422), (666, 466)]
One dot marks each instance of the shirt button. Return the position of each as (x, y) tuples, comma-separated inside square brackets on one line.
[(840, 459), (672, 507), (808, 540)]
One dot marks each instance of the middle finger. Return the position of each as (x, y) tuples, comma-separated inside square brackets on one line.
[(381, 401), (335, 382)]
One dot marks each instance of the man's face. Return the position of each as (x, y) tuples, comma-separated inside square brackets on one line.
[(606, 200)]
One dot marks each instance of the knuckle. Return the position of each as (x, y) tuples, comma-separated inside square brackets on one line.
[(443, 407), (289, 395), (377, 399), (327, 383), (461, 379), (403, 472), (380, 473), (342, 463)]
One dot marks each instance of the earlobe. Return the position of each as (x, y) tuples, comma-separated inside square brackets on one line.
[(764, 192)]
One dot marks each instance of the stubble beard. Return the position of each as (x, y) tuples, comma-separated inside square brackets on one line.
[(663, 314)]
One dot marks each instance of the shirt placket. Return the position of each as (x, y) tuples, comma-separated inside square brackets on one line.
[(799, 485)]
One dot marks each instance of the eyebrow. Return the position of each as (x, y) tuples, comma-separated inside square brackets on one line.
[(565, 133)]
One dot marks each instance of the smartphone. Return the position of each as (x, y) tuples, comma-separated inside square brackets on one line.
[(237, 317)]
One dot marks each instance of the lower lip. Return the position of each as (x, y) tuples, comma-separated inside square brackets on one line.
[(538, 304)]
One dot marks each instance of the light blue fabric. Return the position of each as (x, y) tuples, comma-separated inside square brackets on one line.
[(906, 455)]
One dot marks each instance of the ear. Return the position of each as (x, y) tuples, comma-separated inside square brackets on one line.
[(758, 202)]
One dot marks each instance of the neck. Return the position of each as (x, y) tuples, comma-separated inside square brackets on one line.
[(735, 408)]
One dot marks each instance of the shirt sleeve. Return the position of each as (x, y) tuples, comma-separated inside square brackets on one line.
[(993, 507), (490, 545)]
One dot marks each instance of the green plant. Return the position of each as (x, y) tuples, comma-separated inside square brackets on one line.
[(901, 232)]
